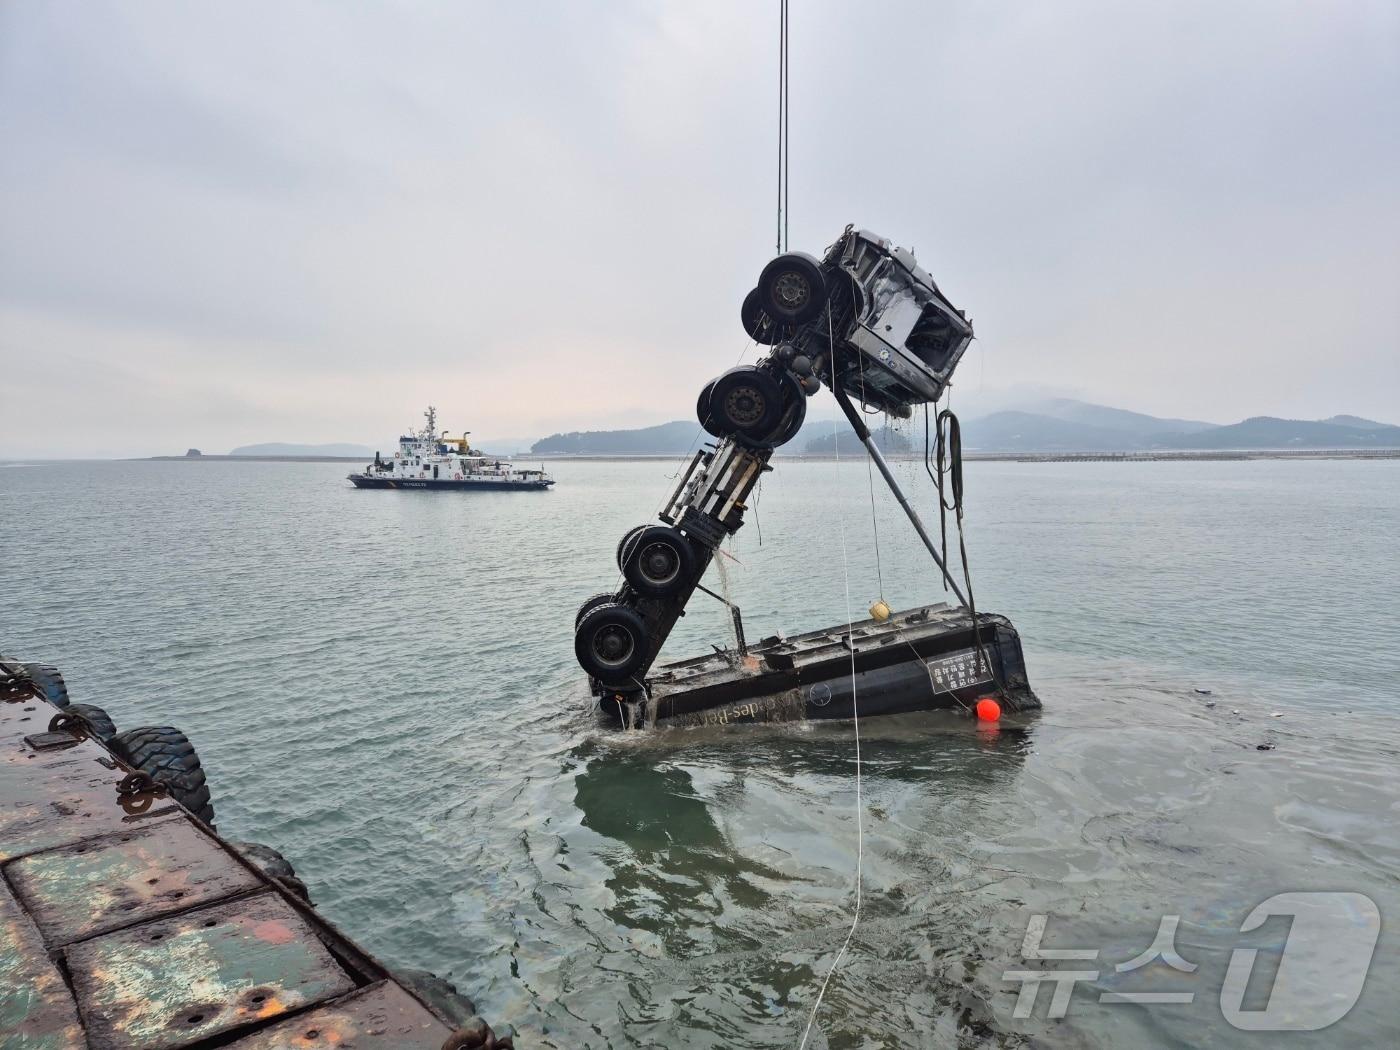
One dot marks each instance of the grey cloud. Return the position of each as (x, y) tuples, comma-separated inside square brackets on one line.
[(543, 216)]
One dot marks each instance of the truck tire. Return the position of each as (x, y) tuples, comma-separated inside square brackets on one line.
[(592, 603), (627, 537), (792, 288), (658, 562), (745, 403), (610, 643), (48, 682), (166, 755), (702, 410), (794, 411), (757, 325)]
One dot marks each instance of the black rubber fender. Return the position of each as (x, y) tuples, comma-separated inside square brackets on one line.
[(438, 994), (48, 682), (99, 722), (274, 865), (167, 756)]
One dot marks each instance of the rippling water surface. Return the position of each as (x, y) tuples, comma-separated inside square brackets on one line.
[(382, 684)]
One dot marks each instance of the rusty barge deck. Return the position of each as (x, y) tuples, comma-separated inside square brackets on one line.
[(125, 922)]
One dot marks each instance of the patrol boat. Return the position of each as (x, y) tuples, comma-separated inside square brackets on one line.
[(432, 460)]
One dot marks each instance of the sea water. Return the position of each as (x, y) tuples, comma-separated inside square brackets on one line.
[(382, 685)]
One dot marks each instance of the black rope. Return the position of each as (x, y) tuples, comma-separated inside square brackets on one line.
[(947, 463)]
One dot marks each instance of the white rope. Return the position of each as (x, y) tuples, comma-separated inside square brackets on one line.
[(855, 718)]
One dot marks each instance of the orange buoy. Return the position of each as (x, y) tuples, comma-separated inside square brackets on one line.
[(988, 710)]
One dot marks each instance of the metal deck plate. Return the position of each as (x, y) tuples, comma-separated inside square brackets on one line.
[(382, 1017), (99, 885), (176, 981), (53, 798), (36, 1009)]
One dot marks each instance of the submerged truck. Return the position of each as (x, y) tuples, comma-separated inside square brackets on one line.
[(869, 324)]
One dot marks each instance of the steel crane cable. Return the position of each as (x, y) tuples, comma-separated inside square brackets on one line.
[(783, 162), (855, 719)]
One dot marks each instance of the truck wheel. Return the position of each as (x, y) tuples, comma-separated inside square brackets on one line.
[(794, 412), (757, 324), (166, 755), (702, 410), (792, 288), (591, 604), (745, 403), (100, 724), (610, 643), (659, 562), (49, 683), (272, 864), (627, 537)]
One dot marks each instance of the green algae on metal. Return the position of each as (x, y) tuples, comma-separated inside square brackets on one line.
[(36, 1008), (103, 884), (202, 973)]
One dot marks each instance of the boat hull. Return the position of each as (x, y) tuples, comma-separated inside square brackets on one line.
[(445, 484)]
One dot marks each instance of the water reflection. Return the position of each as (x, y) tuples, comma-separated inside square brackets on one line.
[(729, 859), (680, 871), (706, 855)]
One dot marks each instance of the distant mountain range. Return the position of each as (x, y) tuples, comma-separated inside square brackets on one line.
[(1049, 425), (1269, 432), (1075, 426), (667, 439), (1053, 425)]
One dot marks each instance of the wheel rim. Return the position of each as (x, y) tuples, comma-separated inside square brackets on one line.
[(660, 563), (745, 406), (613, 644), (792, 290)]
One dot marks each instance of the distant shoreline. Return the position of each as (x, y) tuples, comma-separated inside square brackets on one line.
[(1189, 455), (202, 457)]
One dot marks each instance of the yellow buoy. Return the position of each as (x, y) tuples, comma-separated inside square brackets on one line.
[(880, 610)]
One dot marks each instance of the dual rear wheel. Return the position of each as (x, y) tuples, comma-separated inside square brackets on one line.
[(791, 291), (610, 638), (610, 642), (764, 407), (755, 406)]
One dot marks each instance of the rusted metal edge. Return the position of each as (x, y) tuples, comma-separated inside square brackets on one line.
[(364, 971)]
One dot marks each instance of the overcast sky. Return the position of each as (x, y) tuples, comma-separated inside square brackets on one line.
[(244, 222)]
